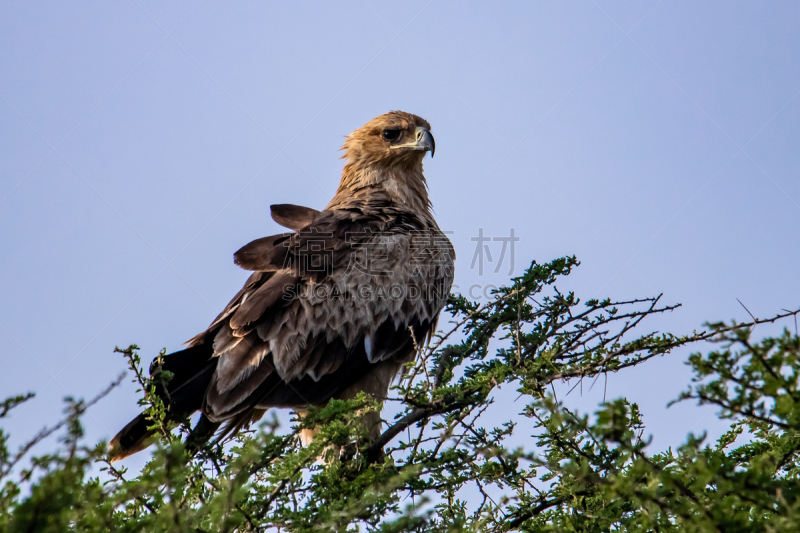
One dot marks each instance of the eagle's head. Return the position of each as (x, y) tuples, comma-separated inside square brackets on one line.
[(384, 163), (396, 138)]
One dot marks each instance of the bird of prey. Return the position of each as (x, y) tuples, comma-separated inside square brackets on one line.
[(333, 307)]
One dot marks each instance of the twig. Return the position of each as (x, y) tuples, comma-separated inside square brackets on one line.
[(79, 409), (119, 477)]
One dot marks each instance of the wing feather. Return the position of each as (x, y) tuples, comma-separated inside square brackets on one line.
[(255, 279), (265, 254), (220, 405), (270, 292), (238, 362), (294, 217)]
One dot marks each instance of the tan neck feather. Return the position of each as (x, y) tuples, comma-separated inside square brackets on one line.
[(402, 185)]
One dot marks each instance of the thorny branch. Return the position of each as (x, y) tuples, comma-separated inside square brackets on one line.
[(76, 409)]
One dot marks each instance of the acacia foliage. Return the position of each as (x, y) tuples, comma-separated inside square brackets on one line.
[(443, 463)]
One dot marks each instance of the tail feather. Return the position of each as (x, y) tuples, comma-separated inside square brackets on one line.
[(133, 438), (182, 395)]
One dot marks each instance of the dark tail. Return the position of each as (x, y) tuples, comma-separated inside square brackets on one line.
[(182, 395), (133, 438)]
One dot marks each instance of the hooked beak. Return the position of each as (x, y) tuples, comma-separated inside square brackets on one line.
[(424, 141)]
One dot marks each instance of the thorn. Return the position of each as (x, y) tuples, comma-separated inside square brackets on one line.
[(749, 313)]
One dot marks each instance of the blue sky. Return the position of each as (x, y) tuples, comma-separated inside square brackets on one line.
[(142, 142)]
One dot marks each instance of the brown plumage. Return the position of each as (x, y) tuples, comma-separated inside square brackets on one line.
[(330, 307)]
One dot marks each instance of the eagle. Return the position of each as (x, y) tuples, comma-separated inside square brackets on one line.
[(333, 307)]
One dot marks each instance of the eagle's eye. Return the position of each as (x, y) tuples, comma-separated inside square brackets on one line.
[(391, 135)]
